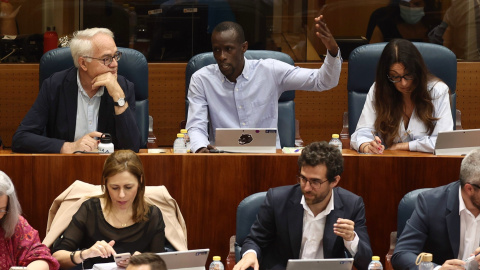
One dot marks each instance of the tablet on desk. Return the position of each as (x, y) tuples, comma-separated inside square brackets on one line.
[(246, 140), (315, 264)]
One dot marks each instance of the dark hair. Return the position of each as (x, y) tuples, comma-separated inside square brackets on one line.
[(152, 259), (322, 153), (235, 27), (118, 162), (388, 101)]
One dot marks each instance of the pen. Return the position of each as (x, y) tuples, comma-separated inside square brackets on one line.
[(374, 136), (469, 259)]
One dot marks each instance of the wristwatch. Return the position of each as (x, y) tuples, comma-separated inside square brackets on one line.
[(120, 102)]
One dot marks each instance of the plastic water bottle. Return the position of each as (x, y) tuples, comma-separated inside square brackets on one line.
[(335, 141), (105, 145), (375, 264), (216, 264), (179, 144), (425, 261), (186, 138)]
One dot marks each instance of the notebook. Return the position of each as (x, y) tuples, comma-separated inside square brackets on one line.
[(315, 264), (457, 142), (177, 260), (246, 140)]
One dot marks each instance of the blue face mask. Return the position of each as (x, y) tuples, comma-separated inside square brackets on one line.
[(411, 15)]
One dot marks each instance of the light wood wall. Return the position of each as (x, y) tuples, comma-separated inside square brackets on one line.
[(319, 114)]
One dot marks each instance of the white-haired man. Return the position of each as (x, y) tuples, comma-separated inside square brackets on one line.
[(75, 106)]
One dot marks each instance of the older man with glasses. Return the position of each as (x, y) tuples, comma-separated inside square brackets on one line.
[(313, 219), (75, 106)]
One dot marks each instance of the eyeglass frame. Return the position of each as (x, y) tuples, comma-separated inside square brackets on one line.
[(313, 184), (117, 56), (401, 77), (3, 212), (473, 185)]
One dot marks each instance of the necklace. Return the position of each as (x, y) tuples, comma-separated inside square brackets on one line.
[(120, 222)]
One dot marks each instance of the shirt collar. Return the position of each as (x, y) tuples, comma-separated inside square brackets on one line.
[(245, 73), (322, 214), (80, 88)]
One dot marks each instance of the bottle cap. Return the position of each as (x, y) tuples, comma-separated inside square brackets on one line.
[(180, 135), (217, 258), (375, 258), (183, 131), (106, 138), (427, 257), (335, 136)]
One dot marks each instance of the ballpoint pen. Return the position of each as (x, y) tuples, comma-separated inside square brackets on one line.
[(469, 259)]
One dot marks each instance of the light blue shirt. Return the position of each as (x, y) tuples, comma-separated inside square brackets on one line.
[(87, 111), (251, 102)]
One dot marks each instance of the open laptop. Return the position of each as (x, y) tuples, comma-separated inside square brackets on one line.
[(315, 264), (246, 140), (177, 260), (186, 260), (457, 142)]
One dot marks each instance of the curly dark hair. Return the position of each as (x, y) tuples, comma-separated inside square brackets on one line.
[(319, 153)]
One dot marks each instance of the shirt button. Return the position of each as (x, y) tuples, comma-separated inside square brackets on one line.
[(239, 107), (243, 124), (236, 89)]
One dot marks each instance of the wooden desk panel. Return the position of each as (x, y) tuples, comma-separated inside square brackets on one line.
[(208, 188)]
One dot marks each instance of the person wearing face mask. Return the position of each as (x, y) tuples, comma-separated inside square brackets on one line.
[(406, 106), (409, 19)]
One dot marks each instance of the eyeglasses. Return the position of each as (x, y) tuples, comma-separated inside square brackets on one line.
[(313, 183), (396, 79), (107, 60), (475, 185), (3, 212)]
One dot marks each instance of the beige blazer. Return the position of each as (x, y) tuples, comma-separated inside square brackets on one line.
[(68, 203)]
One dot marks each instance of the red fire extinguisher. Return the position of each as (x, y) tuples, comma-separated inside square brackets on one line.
[(50, 40)]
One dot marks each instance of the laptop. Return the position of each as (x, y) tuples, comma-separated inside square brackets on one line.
[(315, 264), (246, 140), (186, 260), (177, 260), (457, 142)]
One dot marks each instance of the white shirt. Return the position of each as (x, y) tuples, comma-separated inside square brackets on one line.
[(416, 133), (469, 230), (87, 111), (251, 102), (313, 231)]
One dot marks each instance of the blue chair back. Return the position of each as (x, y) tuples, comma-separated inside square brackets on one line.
[(247, 212), (362, 67), (132, 66), (406, 207), (286, 104)]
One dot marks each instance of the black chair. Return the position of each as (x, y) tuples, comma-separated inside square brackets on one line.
[(132, 66), (362, 67), (247, 212), (286, 104)]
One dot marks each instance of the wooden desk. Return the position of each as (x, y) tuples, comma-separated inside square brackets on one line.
[(209, 187)]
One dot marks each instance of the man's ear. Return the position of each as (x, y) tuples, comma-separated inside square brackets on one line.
[(335, 183), (82, 63), (244, 46)]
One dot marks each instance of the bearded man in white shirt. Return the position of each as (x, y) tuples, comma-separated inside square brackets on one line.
[(314, 219)]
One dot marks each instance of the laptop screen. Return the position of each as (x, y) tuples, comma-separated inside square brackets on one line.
[(246, 140), (457, 142)]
